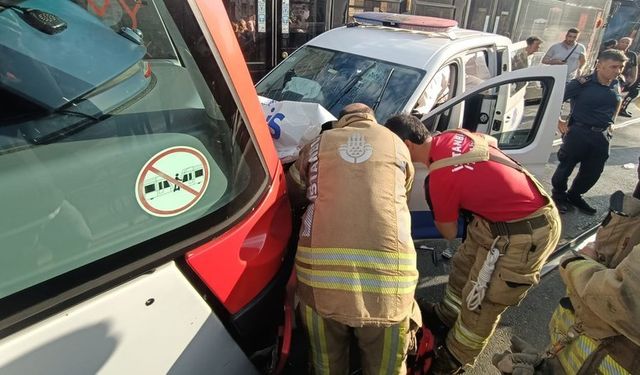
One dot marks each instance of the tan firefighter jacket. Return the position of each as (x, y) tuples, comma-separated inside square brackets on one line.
[(356, 262), (606, 300), (606, 297)]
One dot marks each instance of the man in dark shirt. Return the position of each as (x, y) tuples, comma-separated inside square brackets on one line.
[(595, 100)]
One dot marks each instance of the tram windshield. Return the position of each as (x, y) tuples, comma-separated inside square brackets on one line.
[(116, 128)]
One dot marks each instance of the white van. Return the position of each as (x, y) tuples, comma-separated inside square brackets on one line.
[(447, 76)]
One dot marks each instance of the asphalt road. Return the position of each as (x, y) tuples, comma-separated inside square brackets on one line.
[(530, 319)]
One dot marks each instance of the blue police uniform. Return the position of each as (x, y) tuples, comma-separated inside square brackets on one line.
[(593, 109)]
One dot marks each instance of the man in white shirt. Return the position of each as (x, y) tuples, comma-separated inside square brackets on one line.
[(568, 52)]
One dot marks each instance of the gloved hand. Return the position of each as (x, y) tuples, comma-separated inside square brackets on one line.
[(523, 359)]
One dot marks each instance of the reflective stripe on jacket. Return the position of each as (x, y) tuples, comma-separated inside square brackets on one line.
[(577, 353)]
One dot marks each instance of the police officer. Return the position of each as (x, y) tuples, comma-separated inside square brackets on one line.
[(594, 103), (355, 263), (515, 227)]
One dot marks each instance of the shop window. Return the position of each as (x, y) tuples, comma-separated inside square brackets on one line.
[(435, 8), (550, 20), (357, 6)]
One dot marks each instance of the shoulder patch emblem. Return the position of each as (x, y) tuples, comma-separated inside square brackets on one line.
[(584, 79), (356, 150)]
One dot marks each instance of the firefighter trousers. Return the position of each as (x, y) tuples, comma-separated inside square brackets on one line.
[(516, 271), (383, 350)]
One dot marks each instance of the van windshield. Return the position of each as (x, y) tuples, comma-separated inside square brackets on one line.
[(335, 79)]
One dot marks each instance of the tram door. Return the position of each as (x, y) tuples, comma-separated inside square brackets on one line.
[(493, 16), (269, 30)]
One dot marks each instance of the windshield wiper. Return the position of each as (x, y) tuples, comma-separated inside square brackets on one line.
[(384, 87), (33, 133), (79, 114), (351, 84)]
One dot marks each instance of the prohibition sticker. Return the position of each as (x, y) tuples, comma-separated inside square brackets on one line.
[(172, 181)]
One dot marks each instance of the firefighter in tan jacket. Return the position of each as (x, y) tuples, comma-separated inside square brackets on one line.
[(356, 264), (596, 329)]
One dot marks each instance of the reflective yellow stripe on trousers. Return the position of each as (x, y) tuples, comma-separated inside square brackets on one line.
[(451, 301), (317, 340), (392, 355), (575, 353), (466, 337)]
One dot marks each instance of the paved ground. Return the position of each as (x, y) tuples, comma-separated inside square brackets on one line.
[(530, 320)]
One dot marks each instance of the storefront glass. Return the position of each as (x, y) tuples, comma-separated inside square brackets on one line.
[(451, 9), (550, 20), (269, 30)]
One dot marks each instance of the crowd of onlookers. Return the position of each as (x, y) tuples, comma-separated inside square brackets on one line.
[(245, 29)]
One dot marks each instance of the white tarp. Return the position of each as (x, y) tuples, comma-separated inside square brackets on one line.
[(293, 124)]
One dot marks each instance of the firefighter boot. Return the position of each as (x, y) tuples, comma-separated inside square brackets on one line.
[(432, 320), (445, 363)]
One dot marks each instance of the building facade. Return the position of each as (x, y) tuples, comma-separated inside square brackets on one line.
[(269, 30)]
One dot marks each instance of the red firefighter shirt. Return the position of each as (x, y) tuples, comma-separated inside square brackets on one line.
[(489, 189)]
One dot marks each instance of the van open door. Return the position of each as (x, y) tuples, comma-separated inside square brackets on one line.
[(530, 140), (509, 108)]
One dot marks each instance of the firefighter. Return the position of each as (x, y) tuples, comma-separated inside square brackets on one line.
[(515, 227), (595, 329), (355, 263)]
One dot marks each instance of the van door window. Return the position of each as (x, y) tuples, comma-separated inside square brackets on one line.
[(441, 88), (528, 127), (515, 126), (519, 125), (476, 69)]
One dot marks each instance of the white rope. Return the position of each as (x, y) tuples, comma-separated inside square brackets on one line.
[(476, 295)]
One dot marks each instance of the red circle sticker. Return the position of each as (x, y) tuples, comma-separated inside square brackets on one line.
[(172, 181)]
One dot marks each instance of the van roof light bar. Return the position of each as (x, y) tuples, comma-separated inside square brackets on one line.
[(406, 21)]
